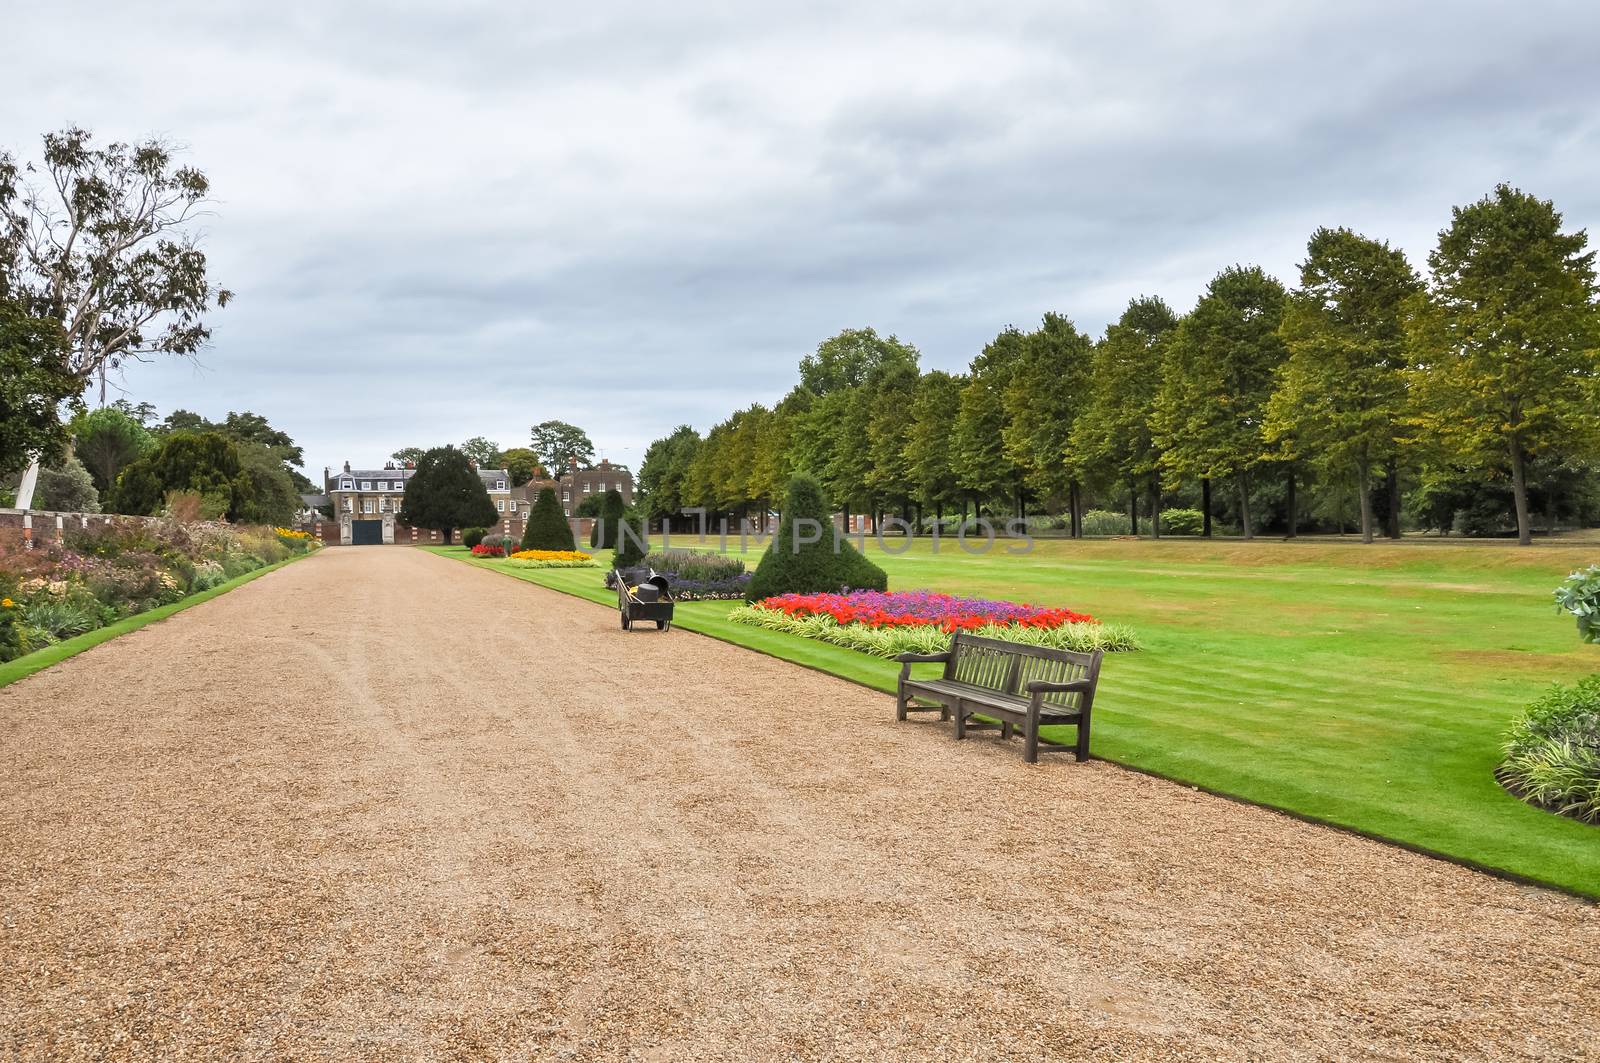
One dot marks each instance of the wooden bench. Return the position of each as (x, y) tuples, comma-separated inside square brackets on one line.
[(1023, 687)]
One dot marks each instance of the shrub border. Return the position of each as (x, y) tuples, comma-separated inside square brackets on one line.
[(39, 660)]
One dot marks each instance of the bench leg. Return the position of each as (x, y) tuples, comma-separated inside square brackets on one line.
[(900, 700), (1082, 752), (1030, 733), (1005, 730), (961, 721)]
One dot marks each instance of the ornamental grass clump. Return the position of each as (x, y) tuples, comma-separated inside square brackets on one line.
[(1552, 754)]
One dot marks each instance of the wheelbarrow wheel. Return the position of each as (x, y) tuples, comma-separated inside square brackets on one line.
[(663, 625), (626, 623)]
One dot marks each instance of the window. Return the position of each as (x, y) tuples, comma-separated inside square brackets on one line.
[(586, 486), (568, 512), (566, 496), (366, 485), (602, 487), (366, 505), (499, 485), (347, 485), (500, 504), (513, 505)]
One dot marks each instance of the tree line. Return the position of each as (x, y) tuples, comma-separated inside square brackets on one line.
[(1469, 397)]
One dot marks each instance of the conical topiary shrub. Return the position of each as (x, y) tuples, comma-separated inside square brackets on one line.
[(631, 547), (794, 565), (547, 527), (603, 535)]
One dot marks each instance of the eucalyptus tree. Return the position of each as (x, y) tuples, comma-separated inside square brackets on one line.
[(107, 245)]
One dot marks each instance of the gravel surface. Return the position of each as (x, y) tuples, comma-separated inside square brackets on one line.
[(384, 805)]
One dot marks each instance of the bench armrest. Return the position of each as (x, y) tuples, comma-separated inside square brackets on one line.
[(923, 658), (1039, 686)]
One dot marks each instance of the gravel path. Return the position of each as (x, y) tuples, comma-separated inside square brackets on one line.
[(384, 805)]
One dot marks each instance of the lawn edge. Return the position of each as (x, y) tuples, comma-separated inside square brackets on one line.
[(37, 661), (1577, 893)]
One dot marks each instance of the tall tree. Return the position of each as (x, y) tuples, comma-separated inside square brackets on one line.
[(1341, 394), (560, 444), (663, 471), (408, 455), (106, 440), (1505, 345), (1219, 373), (1113, 431), (445, 493), (929, 453), (109, 249), (852, 358), (204, 463), (983, 469), (1043, 398), (483, 452), (522, 464)]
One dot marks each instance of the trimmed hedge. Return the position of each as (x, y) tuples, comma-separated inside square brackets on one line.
[(829, 564), (547, 527)]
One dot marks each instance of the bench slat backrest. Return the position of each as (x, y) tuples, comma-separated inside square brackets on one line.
[(1009, 667)]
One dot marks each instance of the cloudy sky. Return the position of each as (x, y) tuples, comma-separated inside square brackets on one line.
[(448, 220)]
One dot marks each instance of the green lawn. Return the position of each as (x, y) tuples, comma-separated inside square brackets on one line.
[(1366, 687)]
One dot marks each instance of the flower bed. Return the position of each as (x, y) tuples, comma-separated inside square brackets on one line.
[(487, 550), (101, 574), (886, 624), (551, 559)]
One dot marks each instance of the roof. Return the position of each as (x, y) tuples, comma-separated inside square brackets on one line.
[(369, 475), (313, 501), (489, 476)]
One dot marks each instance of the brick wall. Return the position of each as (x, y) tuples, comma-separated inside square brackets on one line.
[(405, 535), (46, 526)]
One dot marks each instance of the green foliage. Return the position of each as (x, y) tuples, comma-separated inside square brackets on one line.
[(1113, 431), (483, 452), (205, 463), (264, 492), (633, 544), (547, 527), (522, 464), (108, 439), (1182, 521), (664, 471), (446, 493), (471, 537), (1552, 754), (560, 444), (1105, 522), (603, 535), (34, 383), (1579, 594), (1506, 348), (983, 470), (1218, 375), (1047, 391), (889, 642), (66, 487), (14, 640), (698, 566), (60, 618), (408, 455), (929, 455), (1341, 394), (791, 564)]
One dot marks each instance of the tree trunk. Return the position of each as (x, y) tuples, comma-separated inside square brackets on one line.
[(1364, 489), (1244, 504), (1550, 510), (1519, 492), (1133, 506), (1155, 508), (1392, 486), (1022, 502), (1205, 506), (1074, 502), (1293, 504)]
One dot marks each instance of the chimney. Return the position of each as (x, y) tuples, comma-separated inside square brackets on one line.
[(347, 466)]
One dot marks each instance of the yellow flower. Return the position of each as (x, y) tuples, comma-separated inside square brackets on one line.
[(7, 603)]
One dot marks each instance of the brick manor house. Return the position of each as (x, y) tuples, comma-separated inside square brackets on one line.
[(367, 504)]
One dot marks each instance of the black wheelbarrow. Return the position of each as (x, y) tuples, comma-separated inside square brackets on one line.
[(643, 594)]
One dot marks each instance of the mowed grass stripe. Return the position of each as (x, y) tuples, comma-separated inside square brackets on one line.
[(1362, 687)]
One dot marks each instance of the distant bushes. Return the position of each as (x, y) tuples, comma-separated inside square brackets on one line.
[(471, 537), (698, 574), (1182, 521)]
